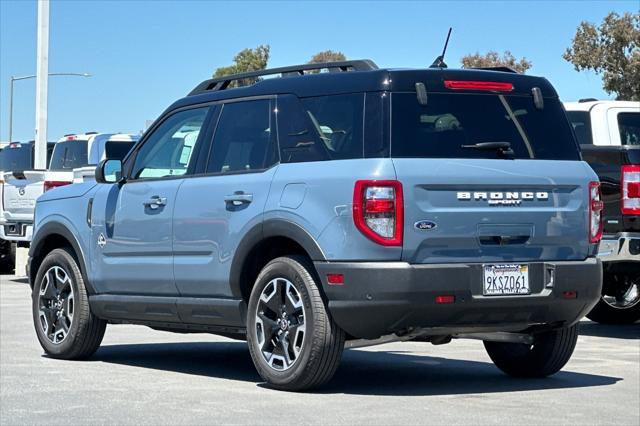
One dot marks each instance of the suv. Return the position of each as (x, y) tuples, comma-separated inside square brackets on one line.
[(358, 205)]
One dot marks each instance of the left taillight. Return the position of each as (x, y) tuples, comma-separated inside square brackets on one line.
[(378, 210), (595, 212), (51, 184)]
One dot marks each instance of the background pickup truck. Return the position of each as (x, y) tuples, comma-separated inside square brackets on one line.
[(73, 160), (609, 136)]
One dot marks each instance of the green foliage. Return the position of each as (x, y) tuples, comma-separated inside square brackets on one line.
[(612, 50), (327, 56), (493, 59), (246, 60)]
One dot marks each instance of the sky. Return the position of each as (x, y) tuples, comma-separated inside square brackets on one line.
[(144, 55)]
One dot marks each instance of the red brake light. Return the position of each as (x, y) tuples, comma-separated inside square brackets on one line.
[(630, 190), (51, 184), (492, 86), (378, 210), (595, 212)]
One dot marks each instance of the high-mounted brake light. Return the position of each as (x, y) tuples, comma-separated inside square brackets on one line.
[(378, 210), (630, 193), (595, 212), (51, 184), (492, 86)]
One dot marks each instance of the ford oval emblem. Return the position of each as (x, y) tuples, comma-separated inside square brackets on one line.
[(425, 225)]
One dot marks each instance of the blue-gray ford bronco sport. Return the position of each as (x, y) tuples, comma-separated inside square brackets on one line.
[(315, 211)]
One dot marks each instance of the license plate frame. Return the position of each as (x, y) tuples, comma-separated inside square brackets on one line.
[(505, 279)]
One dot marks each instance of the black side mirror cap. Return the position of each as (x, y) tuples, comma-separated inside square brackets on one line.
[(109, 171)]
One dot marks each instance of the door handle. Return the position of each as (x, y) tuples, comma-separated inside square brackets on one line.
[(155, 202), (239, 198)]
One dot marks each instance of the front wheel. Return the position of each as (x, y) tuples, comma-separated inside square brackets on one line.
[(550, 352), (64, 324), (293, 341)]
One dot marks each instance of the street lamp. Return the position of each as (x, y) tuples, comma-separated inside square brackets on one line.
[(76, 74)]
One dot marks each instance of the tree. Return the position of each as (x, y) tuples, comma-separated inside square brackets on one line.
[(246, 60), (493, 59), (327, 56), (613, 50)]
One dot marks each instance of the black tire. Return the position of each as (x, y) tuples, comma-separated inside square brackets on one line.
[(606, 313), (322, 342), (549, 353), (85, 331)]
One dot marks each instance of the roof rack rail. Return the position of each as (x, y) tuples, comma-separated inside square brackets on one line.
[(222, 83), (587, 100), (501, 69)]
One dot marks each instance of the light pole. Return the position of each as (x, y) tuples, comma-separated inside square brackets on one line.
[(26, 77)]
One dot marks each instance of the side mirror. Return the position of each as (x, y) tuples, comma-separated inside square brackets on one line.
[(109, 171)]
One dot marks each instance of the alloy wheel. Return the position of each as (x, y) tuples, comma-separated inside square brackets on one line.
[(56, 304), (280, 324)]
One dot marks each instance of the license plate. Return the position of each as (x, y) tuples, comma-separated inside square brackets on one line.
[(501, 280)]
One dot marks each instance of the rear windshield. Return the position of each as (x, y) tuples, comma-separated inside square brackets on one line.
[(581, 122), (449, 121), (16, 159), (69, 155)]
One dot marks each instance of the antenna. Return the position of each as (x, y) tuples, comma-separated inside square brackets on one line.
[(439, 62)]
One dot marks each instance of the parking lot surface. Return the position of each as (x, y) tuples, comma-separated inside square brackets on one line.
[(142, 376)]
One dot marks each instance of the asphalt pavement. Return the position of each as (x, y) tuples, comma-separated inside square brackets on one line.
[(142, 376)]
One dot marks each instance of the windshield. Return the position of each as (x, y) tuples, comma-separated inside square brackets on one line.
[(16, 159), (69, 155), (449, 121)]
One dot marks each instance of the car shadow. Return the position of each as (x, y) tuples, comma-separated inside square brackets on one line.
[(627, 331), (361, 372)]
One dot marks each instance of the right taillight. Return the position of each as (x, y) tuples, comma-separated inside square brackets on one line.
[(51, 184), (378, 210), (595, 212), (630, 190)]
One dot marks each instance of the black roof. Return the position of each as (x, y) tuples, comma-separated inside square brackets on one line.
[(355, 79)]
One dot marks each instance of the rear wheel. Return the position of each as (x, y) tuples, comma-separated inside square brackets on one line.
[(64, 324), (294, 343), (620, 301), (550, 352)]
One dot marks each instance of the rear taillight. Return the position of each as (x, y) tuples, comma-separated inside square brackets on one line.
[(595, 212), (378, 210), (630, 193), (51, 184)]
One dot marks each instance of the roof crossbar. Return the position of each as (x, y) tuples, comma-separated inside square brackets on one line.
[(222, 83)]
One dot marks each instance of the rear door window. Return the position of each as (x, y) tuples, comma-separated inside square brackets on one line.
[(449, 121), (69, 155), (117, 150), (244, 139), (629, 127)]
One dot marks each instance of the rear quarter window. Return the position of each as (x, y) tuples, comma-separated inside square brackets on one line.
[(449, 121)]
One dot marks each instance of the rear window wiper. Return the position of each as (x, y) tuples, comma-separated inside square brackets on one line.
[(503, 148)]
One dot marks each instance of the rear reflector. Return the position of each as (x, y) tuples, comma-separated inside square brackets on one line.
[(51, 184), (570, 294), (630, 193), (335, 279), (492, 86), (445, 299)]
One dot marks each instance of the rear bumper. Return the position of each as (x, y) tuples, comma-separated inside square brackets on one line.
[(622, 247), (380, 298), (16, 231)]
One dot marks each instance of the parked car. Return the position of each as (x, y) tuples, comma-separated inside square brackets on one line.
[(307, 212), (609, 135), (15, 158), (73, 159)]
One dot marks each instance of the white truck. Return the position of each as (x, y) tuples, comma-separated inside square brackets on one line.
[(73, 160), (609, 137)]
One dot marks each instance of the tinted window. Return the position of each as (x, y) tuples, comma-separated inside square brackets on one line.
[(117, 150), (448, 121), (299, 141), (581, 122), (16, 159), (167, 151), (69, 155), (243, 138), (629, 126)]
